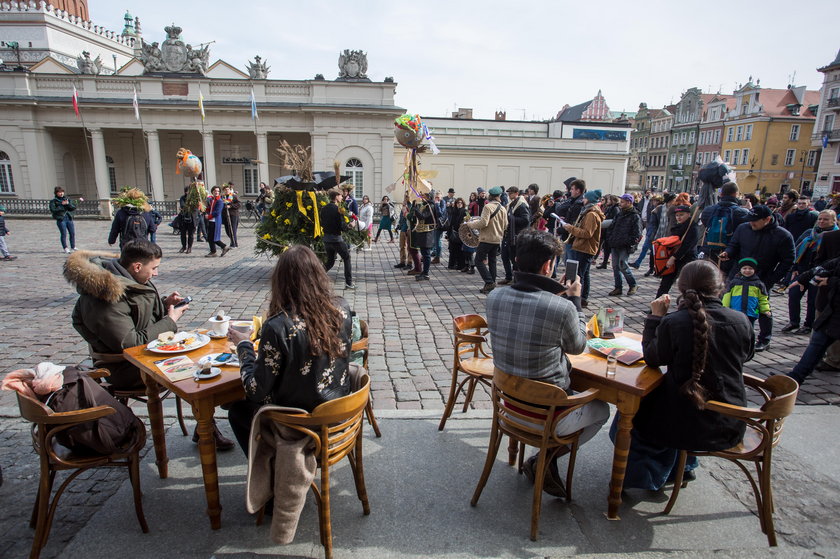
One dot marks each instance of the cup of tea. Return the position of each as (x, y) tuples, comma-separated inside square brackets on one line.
[(219, 326), (243, 326)]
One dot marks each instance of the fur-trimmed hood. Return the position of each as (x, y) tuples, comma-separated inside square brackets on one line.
[(97, 274)]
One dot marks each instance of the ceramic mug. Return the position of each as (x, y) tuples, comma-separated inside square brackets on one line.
[(218, 327)]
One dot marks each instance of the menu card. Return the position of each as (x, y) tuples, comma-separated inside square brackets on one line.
[(626, 350), (177, 368)]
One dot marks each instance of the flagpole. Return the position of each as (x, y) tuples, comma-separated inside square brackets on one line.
[(85, 131), (136, 104)]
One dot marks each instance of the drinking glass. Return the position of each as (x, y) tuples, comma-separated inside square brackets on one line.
[(612, 364)]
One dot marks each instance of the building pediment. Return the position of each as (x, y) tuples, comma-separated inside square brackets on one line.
[(222, 70), (133, 67), (50, 65)]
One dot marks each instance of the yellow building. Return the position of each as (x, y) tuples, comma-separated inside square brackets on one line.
[(767, 138)]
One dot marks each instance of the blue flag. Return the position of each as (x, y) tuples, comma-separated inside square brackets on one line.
[(254, 114)]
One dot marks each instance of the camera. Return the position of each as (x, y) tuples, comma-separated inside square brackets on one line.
[(819, 272)]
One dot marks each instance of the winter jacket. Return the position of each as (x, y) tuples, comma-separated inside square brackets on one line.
[(586, 233), (3, 228), (669, 419), (799, 221), (519, 217), (491, 230), (569, 210), (664, 221), (747, 295), (118, 225), (114, 312), (456, 218), (626, 230), (59, 211), (422, 222), (771, 246), (688, 248), (828, 298), (729, 203), (286, 373), (808, 246)]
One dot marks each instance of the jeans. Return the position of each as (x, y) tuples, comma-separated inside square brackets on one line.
[(795, 294), (437, 244), (341, 249), (813, 353), (153, 236), (488, 252), (65, 226), (187, 233), (4, 250), (647, 246), (584, 265), (620, 256), (509, 259), (426, 256)]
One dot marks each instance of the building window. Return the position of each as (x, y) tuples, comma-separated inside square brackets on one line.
[(812, 158), (691, 137), (736, 156), (717, 135), (794, 132), (673, 159), (250, 179), (789, 155), (714, 156), (730, 133), (699, 158), (828, 123), (726, 156), (7, 182), (834, 93), (745, 157), (354, 169), (774, 159), (748, 135), (680, 160), (682, 138), (739, 133), (112, 174), (676, 140)]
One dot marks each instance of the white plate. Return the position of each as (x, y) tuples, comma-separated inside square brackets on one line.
[(211, 358), (214, 372), (216, 336), (201, 340)]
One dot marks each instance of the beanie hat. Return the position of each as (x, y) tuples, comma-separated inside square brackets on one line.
[(592, 196), (751, 262), (627, 198), (479, 190), (495, 191)]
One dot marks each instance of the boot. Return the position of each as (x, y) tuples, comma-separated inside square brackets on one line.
[(436, 260), (648, 273), (602, 266), (222, 442), (614, 292), (488, 287)]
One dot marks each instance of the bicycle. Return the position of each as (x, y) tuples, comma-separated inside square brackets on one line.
[(252, 216)]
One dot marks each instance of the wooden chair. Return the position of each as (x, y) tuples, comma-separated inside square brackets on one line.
[(53, 457), (336, 429), (362, 345), (471, 358), (123, 396), (528, 411), (764, 429)]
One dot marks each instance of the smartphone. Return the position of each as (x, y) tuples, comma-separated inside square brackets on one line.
[(571, 270), (186, 301), (223, 357)]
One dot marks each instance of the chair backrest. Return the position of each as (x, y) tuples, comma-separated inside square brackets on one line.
[(531, 408), (362, 344), (32, 410), (333, 425), (470, 336)]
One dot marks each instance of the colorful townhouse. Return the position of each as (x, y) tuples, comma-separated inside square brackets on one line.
[(827, 131)]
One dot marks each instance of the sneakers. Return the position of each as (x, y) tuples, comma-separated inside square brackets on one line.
[(614, 292), (505, 281), (66, 250), (762, 346), (488, 287), (349, 286), (225, 251), (9, 257), (602, 266), (648, 273), (804, 331), (790, 327), (631, 291), (399, 266), (210, 255), (421, 277)]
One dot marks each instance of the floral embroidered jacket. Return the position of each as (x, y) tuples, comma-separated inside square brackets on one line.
[(285, 373)]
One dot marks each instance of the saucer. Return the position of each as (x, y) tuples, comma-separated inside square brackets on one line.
[(214, 372), (216, 335)]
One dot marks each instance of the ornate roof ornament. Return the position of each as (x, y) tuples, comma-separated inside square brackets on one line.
[(88, 66), (173, 56), (257, 69), (352, 66)]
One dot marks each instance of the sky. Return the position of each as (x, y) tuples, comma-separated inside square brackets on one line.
[(528, 58)]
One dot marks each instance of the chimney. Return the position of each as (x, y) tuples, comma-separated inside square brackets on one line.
[(501, 115)]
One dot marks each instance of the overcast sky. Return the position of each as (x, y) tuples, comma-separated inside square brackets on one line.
[(527, 57)]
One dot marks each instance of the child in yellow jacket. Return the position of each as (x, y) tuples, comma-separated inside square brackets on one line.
[(746, 293)]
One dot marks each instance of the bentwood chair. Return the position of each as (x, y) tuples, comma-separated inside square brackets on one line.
[(363, 346), (54, 457), (336, 429), (528, 411), (764, 430), (472, 358)]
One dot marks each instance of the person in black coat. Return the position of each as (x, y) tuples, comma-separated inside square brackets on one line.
[(120, 218), (689, 232), (422, 220), (457, 214), (801, 218), (622, 238), (704, 345), (333, 221), (519, 216), (727, 206), (772, 247)]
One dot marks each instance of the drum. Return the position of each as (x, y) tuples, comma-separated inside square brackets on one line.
[(468, 235)]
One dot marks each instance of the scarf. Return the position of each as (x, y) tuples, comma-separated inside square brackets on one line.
[(811, 243)]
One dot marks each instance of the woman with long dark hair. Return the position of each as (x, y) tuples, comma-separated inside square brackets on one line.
[(304, 343), (704, 345), (386, 218), (215, 207), (457, 214)]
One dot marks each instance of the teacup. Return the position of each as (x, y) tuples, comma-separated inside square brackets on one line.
[(218, 327), (243, 326)]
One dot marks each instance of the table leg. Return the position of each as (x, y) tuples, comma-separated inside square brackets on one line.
[(627, 408), (156, 421), (204, 411)]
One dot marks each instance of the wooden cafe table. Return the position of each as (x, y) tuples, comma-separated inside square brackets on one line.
[(203, 396), (625, 390)]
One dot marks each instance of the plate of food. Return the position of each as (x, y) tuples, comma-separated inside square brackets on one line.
[(170, 342), (207, 372), (219, 359)]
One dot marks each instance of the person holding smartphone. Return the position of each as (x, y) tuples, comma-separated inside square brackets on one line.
[(585, 238)]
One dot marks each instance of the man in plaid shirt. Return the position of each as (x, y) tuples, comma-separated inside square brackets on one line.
[(533, 324)]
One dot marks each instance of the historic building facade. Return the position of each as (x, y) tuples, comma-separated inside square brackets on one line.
[(710, 134), (827, 131), (659, 140), (682, 171)]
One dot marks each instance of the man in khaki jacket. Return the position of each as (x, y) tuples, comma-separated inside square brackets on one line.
[(491, 226)]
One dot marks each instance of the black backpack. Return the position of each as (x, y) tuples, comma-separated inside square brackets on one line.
[(135, 227), (106, 435)]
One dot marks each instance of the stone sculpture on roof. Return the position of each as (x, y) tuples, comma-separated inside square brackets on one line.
[(88, 66), (173, 56), (258, 70), (352, 65)]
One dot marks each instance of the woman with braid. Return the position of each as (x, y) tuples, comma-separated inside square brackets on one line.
[(704, 346)]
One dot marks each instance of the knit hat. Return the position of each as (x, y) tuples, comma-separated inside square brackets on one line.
[(772, 201), (627, 198), (479, 190), (592, 196), (751, 262), (495, 191)]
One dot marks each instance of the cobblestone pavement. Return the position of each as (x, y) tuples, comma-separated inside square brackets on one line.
[(410, 344)]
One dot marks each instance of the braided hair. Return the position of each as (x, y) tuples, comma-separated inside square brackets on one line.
[(699, 280)]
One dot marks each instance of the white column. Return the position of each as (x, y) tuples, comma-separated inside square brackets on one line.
[(209, 159), (319, 152), (155, 168), (100, 171), (262, 155), (38, 149)]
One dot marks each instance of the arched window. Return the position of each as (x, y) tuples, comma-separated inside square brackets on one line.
[(112, 174), (354, 169), (7, 182)]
